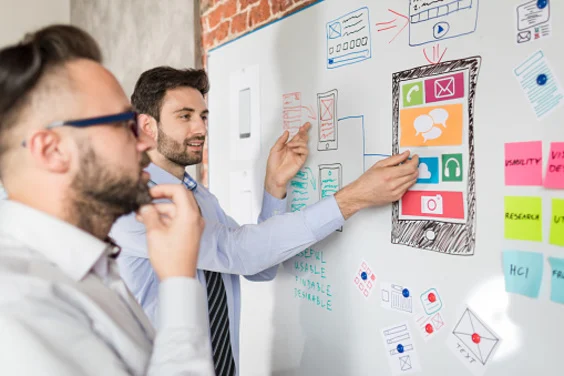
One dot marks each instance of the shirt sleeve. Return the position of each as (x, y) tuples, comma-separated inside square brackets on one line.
[(251, 249), (182, 344), (271, 206)]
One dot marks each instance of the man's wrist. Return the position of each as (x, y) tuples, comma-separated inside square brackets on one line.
[(275, 190), (349, 201)]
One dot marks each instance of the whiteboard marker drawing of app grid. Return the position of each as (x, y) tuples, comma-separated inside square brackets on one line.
[(433, 116)]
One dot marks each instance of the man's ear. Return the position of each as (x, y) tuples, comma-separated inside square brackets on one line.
[(148, 125), (50, 152)]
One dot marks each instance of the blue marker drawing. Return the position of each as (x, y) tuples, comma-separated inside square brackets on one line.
[(431, 21), (540, 85), (349, 39)]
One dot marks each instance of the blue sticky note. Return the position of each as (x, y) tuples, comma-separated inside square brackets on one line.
[(428, 170), (557, 277), (523, 272)]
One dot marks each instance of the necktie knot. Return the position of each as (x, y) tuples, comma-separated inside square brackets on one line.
[(188, 182)]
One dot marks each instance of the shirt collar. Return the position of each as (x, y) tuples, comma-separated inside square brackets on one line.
[(73, 250), (160, 176)]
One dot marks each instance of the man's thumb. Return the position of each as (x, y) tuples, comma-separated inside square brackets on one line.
[(394, 160)]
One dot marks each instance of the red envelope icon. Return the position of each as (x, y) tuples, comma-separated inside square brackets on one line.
[(476, 336), (327, 111), (445, 88)]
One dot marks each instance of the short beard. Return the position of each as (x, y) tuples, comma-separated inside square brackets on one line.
[(176, 152), (101, 195)]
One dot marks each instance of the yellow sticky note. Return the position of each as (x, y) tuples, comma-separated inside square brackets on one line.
[(523, 218), (557, 223)]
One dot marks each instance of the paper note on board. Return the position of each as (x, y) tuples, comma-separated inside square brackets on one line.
[(523, 163), (555, 167), (364, 279), (523, 218), (473, 342), (533, 21), (557, 279), (523, 272), (396, 297), (540, 85), (557, 223), (400, 349)]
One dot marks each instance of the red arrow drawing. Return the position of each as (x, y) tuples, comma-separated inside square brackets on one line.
[(437, 55), (383, 26), (310, 112)]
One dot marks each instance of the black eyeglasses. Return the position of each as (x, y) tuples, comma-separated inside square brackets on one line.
[(129, 120)]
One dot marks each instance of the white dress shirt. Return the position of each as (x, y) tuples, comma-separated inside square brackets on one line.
[(65, 311)]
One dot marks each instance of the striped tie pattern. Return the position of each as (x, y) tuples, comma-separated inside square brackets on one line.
[(224, 362)]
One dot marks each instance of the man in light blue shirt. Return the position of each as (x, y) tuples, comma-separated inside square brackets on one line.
[(173, 112)]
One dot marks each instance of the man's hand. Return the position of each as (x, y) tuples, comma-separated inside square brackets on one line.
[(384, 183), (173, 231), (285, 160)]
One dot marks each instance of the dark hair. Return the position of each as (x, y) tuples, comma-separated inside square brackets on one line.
[(153, 84), (23, 65)]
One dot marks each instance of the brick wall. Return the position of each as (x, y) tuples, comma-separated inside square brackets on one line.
[(224, 20)]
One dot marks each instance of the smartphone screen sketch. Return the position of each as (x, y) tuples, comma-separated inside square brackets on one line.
[(327, 120), (330, 180), (433, 116)]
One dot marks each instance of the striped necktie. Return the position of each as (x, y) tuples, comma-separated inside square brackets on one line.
[(218, 313)]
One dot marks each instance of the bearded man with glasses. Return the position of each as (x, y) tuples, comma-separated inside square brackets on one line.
[(72, 161)]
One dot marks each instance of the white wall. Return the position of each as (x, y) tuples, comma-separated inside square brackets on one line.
[(18, 17)]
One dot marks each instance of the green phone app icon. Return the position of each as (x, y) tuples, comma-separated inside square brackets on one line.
[(412, 94), (452, 167)]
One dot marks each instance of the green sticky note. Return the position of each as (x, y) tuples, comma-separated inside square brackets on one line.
[(412, 94), (523, 218), (557, 277), (557, 223), (523, 272)]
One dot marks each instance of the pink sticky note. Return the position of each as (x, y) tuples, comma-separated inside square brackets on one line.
[(523, 163), (555, 169)]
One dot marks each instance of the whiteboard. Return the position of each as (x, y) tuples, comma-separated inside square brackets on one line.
[(417, 287)]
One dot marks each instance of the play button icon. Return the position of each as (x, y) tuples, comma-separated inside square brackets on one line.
[(441, 29)]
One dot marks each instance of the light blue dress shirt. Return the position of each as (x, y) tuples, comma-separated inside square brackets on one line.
[(253, 251), (3, 193)]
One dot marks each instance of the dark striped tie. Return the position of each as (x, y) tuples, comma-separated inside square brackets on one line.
[(224, 362)]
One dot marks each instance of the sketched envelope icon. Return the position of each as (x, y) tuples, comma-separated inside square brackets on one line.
[(444, 88), (524, 36), (476, 336), (437, 321), (405, 363), (334, 31)]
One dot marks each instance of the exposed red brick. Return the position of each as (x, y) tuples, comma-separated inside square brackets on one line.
[(239, 23), (243, 4), (259, 13), (280, 5), (229, 8), (222, 31), (215, 17)]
